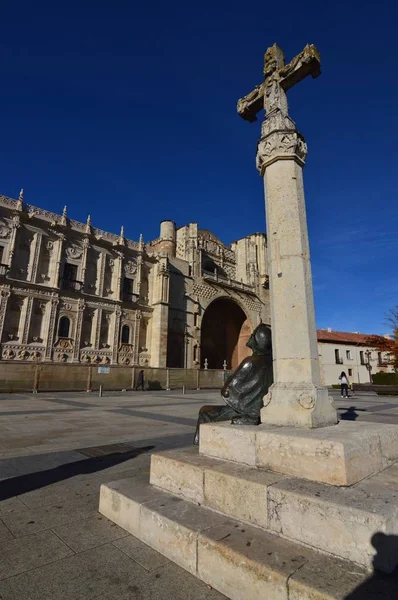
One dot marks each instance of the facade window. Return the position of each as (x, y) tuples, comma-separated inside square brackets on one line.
[(195, 319), (70, 272), (349, 372), (348, 354), (63, 327), (1, 253), (339, 361), (128, 289), (125, 334), (362, 357)]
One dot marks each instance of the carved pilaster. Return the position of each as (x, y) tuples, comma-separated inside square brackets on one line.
[(86, 245), (4, 296), (56, 276), (97, 328), (115, 345), (34, 256), (137, 324), (16, 224), (117, 275), (51, 328), (101, 274), (78, 331), (26, 314), (139, 275)]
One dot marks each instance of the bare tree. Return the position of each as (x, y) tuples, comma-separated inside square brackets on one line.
[(388, 345)]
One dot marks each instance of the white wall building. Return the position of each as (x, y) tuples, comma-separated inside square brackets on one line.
[(350, 352)]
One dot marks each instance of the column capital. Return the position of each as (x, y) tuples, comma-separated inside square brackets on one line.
[(280, 144)]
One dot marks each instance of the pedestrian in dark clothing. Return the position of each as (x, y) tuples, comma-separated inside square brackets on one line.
[(344, 384), (140, 381)]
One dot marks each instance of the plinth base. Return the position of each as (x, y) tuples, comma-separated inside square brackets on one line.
[(240, 561), (340, 455), (298, 405), (255, 534)]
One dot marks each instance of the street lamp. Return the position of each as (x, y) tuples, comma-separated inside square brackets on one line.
[(368, 355), (186, 343)]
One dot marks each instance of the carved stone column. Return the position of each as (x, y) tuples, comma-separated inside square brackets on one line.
[(115, 338), (137, 324), (34, 256), (56, 261), (85, 245), (78, 331), (4, 296), (26, 315), (117, 275), (97, 328), (51, 328), (297, 396), (139, 276), (16, 224), (101, 274)]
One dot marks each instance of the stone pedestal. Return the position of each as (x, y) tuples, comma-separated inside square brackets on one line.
[(257, 533), (298, 404)]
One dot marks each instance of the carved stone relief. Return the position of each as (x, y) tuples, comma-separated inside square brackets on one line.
[(74, 251), (130, 267)]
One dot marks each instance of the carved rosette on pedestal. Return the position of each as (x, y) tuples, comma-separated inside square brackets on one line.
[(279, 144)]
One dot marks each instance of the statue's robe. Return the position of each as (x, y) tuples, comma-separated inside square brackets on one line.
[(243, 394)]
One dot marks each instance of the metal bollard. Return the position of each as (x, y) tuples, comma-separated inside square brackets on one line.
[(183, 389), (100, 391)]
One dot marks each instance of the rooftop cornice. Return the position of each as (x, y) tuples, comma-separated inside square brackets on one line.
[(54, 218)]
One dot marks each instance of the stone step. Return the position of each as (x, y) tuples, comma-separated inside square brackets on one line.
[(342, 454), (240, 561), (336, 520)]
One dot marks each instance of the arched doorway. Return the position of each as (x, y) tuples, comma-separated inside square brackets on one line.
[(225, 331)]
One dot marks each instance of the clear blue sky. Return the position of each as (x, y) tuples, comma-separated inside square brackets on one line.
[(127, 110)]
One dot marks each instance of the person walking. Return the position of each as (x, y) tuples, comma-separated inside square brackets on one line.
[(344, 384), (140, 381)]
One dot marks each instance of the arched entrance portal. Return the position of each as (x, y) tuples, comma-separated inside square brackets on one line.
[(225, 331)]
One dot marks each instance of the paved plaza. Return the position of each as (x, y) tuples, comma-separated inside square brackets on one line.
[(57, 449)]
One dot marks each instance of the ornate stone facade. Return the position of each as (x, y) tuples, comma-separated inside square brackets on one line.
[(72, 293)]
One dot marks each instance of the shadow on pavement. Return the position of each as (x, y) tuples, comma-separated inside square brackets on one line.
[(22, 484), (380, 585), (351, 413)]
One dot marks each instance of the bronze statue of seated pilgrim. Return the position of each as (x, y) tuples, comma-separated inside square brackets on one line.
[(244, 390)]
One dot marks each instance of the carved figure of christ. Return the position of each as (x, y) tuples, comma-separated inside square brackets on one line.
[(278, 78)]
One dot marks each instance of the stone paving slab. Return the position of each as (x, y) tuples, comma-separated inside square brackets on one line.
[(141, 553), (89, 533), (22, 523), (5, 533), (49, 495), (83, 576), (23, 554)]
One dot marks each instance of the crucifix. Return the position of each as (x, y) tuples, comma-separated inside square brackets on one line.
[(278, 78), (297, 396)]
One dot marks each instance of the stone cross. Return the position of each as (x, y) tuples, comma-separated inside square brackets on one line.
[(278, 78), (297, 397)]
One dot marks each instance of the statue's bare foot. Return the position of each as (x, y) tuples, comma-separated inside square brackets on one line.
[(245, 420)]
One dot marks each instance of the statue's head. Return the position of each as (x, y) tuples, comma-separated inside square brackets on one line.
[(260, 341)]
